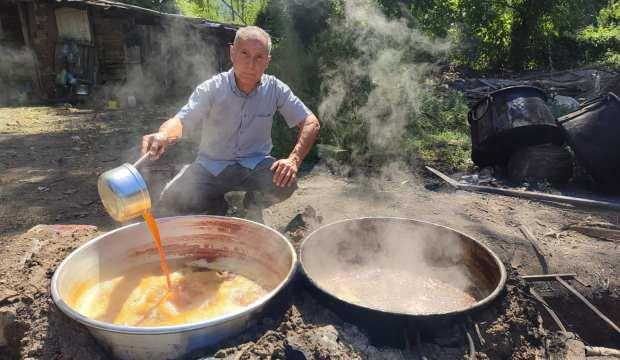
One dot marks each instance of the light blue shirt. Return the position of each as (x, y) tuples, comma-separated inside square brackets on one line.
[(236, 128)]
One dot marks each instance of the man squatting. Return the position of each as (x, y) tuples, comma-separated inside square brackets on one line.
[(234, 111)]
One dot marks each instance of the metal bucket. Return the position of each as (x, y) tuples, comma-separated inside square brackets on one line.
[(593, 133), (82, 89), (509, 119), (123, 191), (387, 246), (241, 246)]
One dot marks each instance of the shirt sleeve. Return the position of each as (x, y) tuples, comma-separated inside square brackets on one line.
[(292, 109), (197, 107)]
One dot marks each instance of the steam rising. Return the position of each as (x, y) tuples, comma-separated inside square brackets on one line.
[(392, 265), (386, 49), (183, 60)]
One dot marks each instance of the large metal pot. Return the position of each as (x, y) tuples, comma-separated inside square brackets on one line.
[(509, 119), (244, 247), (391, 249), (593, 132)]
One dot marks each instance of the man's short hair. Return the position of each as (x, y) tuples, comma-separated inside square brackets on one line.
[(249, 32)]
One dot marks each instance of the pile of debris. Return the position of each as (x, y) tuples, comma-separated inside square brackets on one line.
[(523, 126), (580, 84)]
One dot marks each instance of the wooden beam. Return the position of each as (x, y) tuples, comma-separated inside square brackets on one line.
[(548, 277), (530, 195), (36, 75), (602, 351)]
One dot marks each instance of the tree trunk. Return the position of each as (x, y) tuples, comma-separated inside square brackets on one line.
[(521, 35), (524, 30)]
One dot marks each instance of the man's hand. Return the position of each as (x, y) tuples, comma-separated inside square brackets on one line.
[(169, 132), (284, 172), (155, 144)]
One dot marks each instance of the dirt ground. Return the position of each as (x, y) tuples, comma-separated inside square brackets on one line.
[(52, 156)]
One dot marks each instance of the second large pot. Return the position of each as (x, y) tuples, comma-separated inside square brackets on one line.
[(363, 267)]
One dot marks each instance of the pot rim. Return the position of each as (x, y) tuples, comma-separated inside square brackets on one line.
[(136, 330), (478, 305), (489, 95)]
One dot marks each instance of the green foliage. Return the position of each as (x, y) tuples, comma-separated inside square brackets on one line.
[(602, 40), (509, 34), (167, 6), (439, 134), (241, 12), (208, 9), (310, 56), (294, 59)]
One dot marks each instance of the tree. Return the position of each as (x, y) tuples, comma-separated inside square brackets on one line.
[(507, 34), (167, 6), (602, 39), (241, 12)]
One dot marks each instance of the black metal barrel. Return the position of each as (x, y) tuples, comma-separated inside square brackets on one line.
[(593, 132), (509, 119)]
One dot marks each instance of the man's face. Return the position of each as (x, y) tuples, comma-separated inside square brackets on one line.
[(250, 59)]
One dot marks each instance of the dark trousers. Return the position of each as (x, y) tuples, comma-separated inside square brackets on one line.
[(194, 190)]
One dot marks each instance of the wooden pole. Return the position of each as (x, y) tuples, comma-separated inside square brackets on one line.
[(547, 277), (605, 205), (539, 254), (36, 75), (550, 311)]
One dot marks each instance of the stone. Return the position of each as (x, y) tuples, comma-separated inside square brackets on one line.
[(320, 342), (326, 337)]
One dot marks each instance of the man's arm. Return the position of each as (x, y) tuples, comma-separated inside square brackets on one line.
[(285, 170), (169, 132)]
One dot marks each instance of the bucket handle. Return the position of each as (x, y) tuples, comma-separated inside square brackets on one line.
[(141, 159), (487, 100)]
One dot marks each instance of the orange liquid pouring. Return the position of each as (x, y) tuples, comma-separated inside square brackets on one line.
[(150, 221)]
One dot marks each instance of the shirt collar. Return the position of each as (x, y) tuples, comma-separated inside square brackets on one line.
[(235, 89)]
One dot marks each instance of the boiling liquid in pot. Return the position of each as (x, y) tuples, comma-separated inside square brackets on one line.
[(397, 291), (140, 296)]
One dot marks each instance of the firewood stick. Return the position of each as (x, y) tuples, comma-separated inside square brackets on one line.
[(601, 351), (539, 254), (550, 311)]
